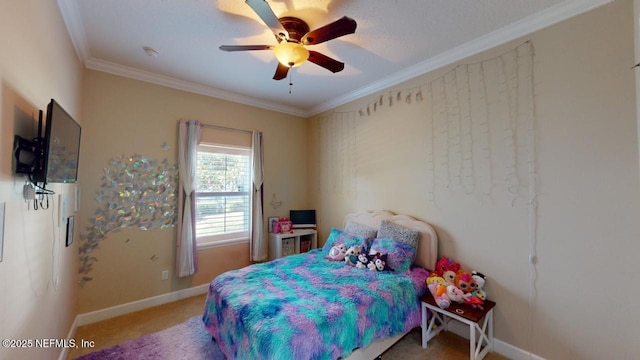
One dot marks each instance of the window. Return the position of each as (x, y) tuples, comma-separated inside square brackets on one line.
[(223, 194)]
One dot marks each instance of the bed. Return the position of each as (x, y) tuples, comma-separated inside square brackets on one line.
[(309, 306)]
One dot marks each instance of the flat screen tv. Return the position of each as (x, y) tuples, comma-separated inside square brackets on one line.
[(52, 158), (62, 146)]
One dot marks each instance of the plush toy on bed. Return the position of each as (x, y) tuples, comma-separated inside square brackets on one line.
[(351, 256), (378, 262), (372, 263), (337, 253), (363, 261)]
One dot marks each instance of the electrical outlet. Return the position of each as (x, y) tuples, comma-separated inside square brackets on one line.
[(165, 275)]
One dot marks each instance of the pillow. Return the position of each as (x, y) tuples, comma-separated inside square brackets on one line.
[(338, 237), (389, 230), (361, 230), (399, 254)]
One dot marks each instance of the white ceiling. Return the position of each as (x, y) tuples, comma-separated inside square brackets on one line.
[(395, 40)]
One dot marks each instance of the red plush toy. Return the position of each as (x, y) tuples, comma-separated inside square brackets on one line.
[(446, 264)]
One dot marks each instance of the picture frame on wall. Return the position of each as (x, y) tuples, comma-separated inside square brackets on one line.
[(272, 220), (69, 231)]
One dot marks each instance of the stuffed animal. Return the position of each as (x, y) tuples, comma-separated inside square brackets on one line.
[(434, 278), (351, 256), (474, 302), (441, 298), (380, 262), (371, 265), (363, 261), (337, 253), (456, 294), (445, 264), (437, 285), (465, 282), (449, 277), (480, 280), (449, 283)]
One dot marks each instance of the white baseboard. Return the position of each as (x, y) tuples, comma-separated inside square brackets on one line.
[(505, 349), (111, 312), (72, 332), (108, 313), (512, 352)]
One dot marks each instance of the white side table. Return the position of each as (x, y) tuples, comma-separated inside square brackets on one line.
[(465, 314)]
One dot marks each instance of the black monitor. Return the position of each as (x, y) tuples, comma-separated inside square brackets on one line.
[(302, 218)]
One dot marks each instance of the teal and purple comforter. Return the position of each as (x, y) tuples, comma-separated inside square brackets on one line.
[(306, 307)]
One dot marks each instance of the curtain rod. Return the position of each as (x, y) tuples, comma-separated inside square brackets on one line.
[(226, 128)]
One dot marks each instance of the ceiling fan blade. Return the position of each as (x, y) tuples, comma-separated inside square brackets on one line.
[(340, 27), (281, 72), (325, 61), (262, 8), (245, 47)]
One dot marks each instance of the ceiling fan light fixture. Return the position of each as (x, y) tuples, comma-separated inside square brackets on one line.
[(291, 54)]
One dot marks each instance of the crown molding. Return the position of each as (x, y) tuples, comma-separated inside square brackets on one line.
[(167, 81), (518, 29), (75, 27), (565, 10)]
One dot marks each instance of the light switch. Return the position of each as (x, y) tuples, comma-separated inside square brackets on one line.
[(63, 209)]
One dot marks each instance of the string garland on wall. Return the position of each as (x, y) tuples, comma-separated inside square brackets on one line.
[(459, 108), (338, 135)]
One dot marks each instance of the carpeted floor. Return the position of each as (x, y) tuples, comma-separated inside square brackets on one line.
[(188, 341), (174, 331)]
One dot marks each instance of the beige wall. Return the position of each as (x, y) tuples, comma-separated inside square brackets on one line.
[(587, 190), (586, 156), (636, 32), (37, 273), (127, 117)]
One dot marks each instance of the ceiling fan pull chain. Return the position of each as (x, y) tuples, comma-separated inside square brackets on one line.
[(290, 78)]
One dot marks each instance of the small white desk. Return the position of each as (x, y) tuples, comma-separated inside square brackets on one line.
[(465, 314)]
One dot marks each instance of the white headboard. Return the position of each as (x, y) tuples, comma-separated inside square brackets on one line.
[(427, 253)]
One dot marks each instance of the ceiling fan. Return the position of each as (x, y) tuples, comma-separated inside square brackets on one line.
[(292, 35)]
